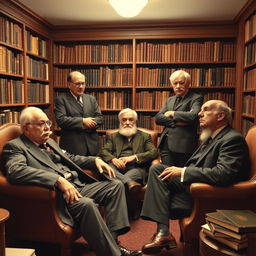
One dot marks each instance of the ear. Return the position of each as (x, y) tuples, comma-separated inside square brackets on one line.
[(221, 116)]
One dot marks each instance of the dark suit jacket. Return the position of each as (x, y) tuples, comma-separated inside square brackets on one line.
[(69, 116), (223, 162), (142, 146), (181, 139), (27, 164)]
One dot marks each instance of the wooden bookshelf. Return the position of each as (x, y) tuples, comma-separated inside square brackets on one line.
[(24, 63), (249, 72)]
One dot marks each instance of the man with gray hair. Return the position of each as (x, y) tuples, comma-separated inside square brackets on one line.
[(129, 151), (221, 160)]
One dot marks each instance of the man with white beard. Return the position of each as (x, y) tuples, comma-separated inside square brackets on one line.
[(129, 151), (221, 160)]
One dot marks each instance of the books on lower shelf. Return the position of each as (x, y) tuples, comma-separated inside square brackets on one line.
[(230, 227)]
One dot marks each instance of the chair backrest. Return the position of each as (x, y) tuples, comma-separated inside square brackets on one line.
[(8, 132), (251, 141), (153, 133)]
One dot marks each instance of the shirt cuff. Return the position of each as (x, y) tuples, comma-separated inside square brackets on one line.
[(182, 174)]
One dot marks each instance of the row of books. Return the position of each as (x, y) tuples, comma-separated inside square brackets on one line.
[(37, 68), (230, 227), (11, 91), (92, 53), (38, 93), (199, 51), (249, 79), (246, 125), (10, 61), (250, 28), (249, 104), (9, 116), (207, 77), (10, 32), (154, 99), (113, 99), (36, 45), (250, 54), (97, 77)]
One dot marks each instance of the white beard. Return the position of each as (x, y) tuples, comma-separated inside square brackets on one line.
[(127, 131), (205, 134)]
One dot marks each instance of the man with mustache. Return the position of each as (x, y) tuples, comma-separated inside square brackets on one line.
[(35, 159), (179, 118), (221, 160), (129, 151)]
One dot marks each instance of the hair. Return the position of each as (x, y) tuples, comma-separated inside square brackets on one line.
[(72, 74), (180, 73), (223, 107), (27, 114), (126, 110)]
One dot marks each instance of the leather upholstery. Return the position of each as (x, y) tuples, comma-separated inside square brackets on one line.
[(33, 212), (207, 198)]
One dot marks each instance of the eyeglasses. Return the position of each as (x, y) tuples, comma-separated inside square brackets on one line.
[(41, 124), (78, 84)]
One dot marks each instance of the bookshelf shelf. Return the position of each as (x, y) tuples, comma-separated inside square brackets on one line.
[(249, 72)]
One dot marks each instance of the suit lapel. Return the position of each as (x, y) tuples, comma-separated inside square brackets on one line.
[(136, 142), (36, 152), (74, 103), (214, 141), (119, 143), (171, 103)]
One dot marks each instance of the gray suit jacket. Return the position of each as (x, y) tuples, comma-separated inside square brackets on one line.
[(69, 116), (181, 139), (27, 164), (223, 162)]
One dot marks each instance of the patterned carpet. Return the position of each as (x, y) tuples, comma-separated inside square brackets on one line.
[(140, 234)]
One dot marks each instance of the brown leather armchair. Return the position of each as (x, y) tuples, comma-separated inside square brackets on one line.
[(207, 198), (33, 212), (154, 135)]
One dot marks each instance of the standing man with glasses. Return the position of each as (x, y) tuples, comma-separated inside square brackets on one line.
[(178, 116), (78, 115), (34, 158)]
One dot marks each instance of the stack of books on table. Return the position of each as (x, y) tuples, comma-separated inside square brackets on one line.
[(230, 227)]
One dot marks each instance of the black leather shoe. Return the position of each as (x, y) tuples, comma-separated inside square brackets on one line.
[(126, 252), (134, 186), (158, 243)]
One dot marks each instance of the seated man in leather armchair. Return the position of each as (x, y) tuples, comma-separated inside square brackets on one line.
[(35, 159), (221, 160)]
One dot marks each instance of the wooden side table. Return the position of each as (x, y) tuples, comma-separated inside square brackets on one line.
[(4, 215)]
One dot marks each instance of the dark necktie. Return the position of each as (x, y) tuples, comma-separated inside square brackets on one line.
[(79, 102), (206, 144), (177, 101)]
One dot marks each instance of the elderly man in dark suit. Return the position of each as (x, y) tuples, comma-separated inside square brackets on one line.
[(221, 159), (35, 159), (179, 116), (78, 115), (129, 151)]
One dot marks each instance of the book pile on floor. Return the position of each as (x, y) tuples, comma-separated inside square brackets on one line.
[(230, 227)]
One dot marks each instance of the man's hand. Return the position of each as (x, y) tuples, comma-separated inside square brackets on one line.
[(170, 173), (70, 192), (169, 113), (128, 159), (118, 163), (104, 167), (89, 122)]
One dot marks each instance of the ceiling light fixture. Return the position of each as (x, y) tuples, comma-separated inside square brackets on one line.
[(128, 8)]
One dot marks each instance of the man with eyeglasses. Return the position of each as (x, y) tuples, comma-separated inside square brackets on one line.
[(78, 115), (79, 194)]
